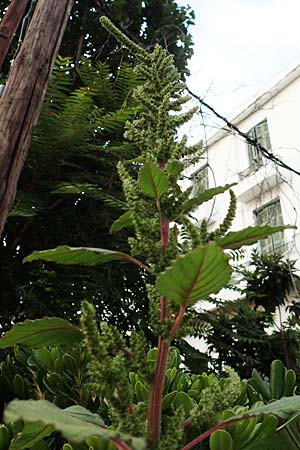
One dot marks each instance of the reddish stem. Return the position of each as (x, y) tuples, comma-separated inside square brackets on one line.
[(178, 319), (120, 444), (136, 262), (163, 309), (164, 231), (185, 423), (207, 433), (156, 392)]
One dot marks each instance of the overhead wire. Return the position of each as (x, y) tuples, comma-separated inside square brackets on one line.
[(251, 141)]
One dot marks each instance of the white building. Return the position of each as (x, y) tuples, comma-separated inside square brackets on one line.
[(265, 192)]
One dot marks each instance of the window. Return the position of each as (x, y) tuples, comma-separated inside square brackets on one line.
[(271, 215), (200, 180), (261, 133)]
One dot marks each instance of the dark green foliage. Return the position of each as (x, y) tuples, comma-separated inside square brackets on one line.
[(149, 22), (240, 332), (69, 192), (270, 282), (239, 336)]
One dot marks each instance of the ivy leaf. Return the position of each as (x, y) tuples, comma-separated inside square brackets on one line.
[(30, 435), (124, 221), (248, 236), (205, 196), (153, 181), (72, 428), (85, 256), (196, 275), (40, 332)]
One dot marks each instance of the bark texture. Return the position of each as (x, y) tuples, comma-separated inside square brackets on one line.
[(9, 25), (24, 92)]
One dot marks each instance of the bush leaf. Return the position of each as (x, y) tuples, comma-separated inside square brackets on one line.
[(220, 440), (41, 332), (248, 236), (30, 435), (153, 181), (85, 256), (72, 428), (194, 276), (285, 408)]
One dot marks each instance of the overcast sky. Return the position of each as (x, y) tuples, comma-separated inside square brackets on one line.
[(240, 45)]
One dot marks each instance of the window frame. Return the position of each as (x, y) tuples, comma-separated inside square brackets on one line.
[(194, 175), (274, 242), (256, 158)]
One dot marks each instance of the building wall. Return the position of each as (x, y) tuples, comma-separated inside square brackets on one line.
[(228, 162)]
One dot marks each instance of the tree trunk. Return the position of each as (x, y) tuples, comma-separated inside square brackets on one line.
[(9, 25), (24, 92)]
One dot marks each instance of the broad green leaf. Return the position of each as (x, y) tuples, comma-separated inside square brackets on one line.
[(220, 440), (142, 393), (248, 236), (196, 275), (41, 332), (168, 400), (284, 408), (124, 221), (182, 399), (153, 181), (30, 435), (84, 256), (84, 414), (205, 196), (5, 436), (72, 428)]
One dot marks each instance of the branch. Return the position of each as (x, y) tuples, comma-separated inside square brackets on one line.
[(251, 141)]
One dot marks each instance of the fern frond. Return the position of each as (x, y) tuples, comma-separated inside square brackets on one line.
[(89, 190)]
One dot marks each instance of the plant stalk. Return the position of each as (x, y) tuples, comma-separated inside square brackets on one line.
[(157, 386), (156, 392)]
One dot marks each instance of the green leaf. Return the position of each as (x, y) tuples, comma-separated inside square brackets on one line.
[(5, 436), (285, 408), (153, 181), (84, 414), (124, 221), (248, 236), (196, 275), (72, 428), (41, 332), (30, 435), (84, 256), (220, 440), (205, 196), (168, 400), (142, 393)]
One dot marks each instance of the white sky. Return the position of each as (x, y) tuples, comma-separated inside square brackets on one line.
[(239, 46)]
